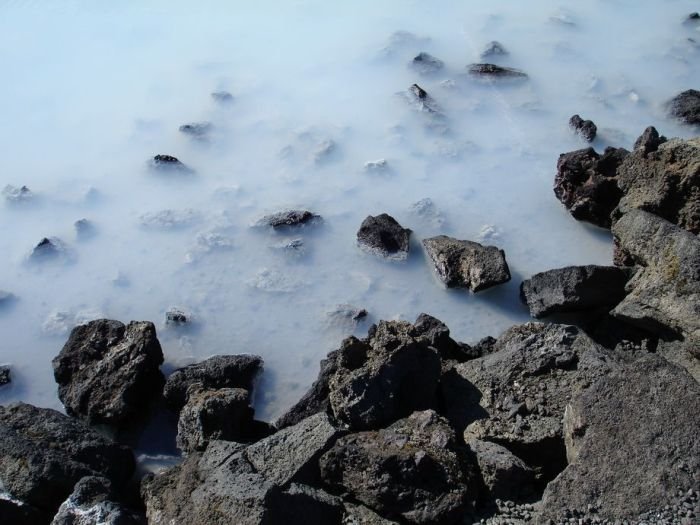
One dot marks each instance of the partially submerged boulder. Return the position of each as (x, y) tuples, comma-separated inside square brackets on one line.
[(412, 470), (107, 371), (196, 129), (5, 375), (685, 106), (467, 264), (493, 49), (495, 72), (573, 289), (16, 195), (384, 236), (585, 128), (426, 64), (289, 218), (167, 163)]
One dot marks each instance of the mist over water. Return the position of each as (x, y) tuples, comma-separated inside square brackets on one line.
[(92, 90)]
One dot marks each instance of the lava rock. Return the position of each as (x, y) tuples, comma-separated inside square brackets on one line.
[(586, 185), (361, 515), (467, 264), (169, 163), (664, 295), (14, 194), (222, 97), (346, 315), (493, 49), (685, 107), (5, 375), (422, 101), (196, 129), (44, 453), (586, 128), (573, 289), (438, 334), (93, 502), (649, 141), (504, 475), (692, 18), (426, 64), (221, 371), (175, 316), (631, 442), (107, 372), (47, 249), (418, 92), (411, 470), (383, 236), (290, 218), (494, 72)]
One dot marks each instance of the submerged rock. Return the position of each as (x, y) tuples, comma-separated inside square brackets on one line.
[(685, 107), (383, 236), (14, 194), (107, 372), (6, 298), (323, 151), (585, 128), (573, 288), (196, 129), (493, 49), (48, 249), (345, 314), (177, 317), (411, 470), (84, 229), (44, 453), (222, 97), (492, 71), (169, 219), (379, 165), (289, 218), (426, 64), (467, 264), (5, 375)]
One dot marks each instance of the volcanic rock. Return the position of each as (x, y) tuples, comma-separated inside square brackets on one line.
[(586, 128), (383, 236), (494, 72), (426, 64), (288, 218), (5, 375), (505, 475), (685, 106), (493, 49)]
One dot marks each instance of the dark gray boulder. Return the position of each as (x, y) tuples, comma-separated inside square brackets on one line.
[(632, 443), (495, 72), (107, 372), (168, 163), (585, 183), (412, 470), (664, 294), (505, 475), (360, 515), (426, 64), (685, 106), (289, 218), (467, 264), (649, 141), (585, 128), (93, 502), (44, 453), (573, 289), (438, 335), (221, 371), (5, 375), (384, 236)]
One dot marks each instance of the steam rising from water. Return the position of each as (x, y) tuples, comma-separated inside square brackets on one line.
[(93, 90)]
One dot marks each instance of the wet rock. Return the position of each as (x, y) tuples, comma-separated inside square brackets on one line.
[(383, 236), (411, 470), (84, 229), (177, 317), (224, 414), (426, 64), (493, 49), (5, 375), (585, 128), (649, 141), (466, 264), (631, 441), (418, 92), (290, 218), (664, 294), (685, 107), (222, 371), (48, 249), (107, 372), (169, 219), (93, 502), (585, 183), (168, 163), (346, 314), (222, 97), (422, 101), (505, 475), (692, 18), (14, 194), (44, 453), (494, 72), (196, 129), (573, 289)]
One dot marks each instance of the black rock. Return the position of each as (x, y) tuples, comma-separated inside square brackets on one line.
[(44, 453), (418, 92), (223, 97), (492, 71), (5, 376), (692, 18), (169, 163), (467, 264), (383, 236), (290, 218), (586, 128), (685, 106), (107, 372), (222, 371), (426, 64), (649, 141), (175, 316), (573, 289), (493, 49), (47, 249), (196, 129)]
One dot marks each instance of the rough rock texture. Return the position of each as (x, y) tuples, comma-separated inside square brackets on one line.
[(426, 64), (585, 128), (467, 264), (44, 453), (438, 335), (196, 129), (632, 442), (516, 395), (573, 288), (649, 141), (289, 218), (107, 372), (412, 470), (384, 236), (260, 484), (685, 106), (221, 371), (505, 475), (664, 294), (214, 414), (492, 71), (93, 502), (585, 183), (168, 163), (5, 375), (361, 515), (685, 354)]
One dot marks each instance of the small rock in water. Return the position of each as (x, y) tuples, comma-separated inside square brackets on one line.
[(418, 92), (492, 71), (383, 236), (585, 128), (426, 210), (169, 219), (48, 249), (196, 129), (288, 218), (692, 18), (84, 229), (686, 106), (291, 246), (419, 98), (15, 194), (379, 165), (5, 375), (168, 163), (426, 64), (6, 298), (222, 97), (493, 49), (324, 151), (177, 317), (346, 314)]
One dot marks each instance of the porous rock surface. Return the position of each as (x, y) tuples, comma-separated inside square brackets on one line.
[(384, 236)]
